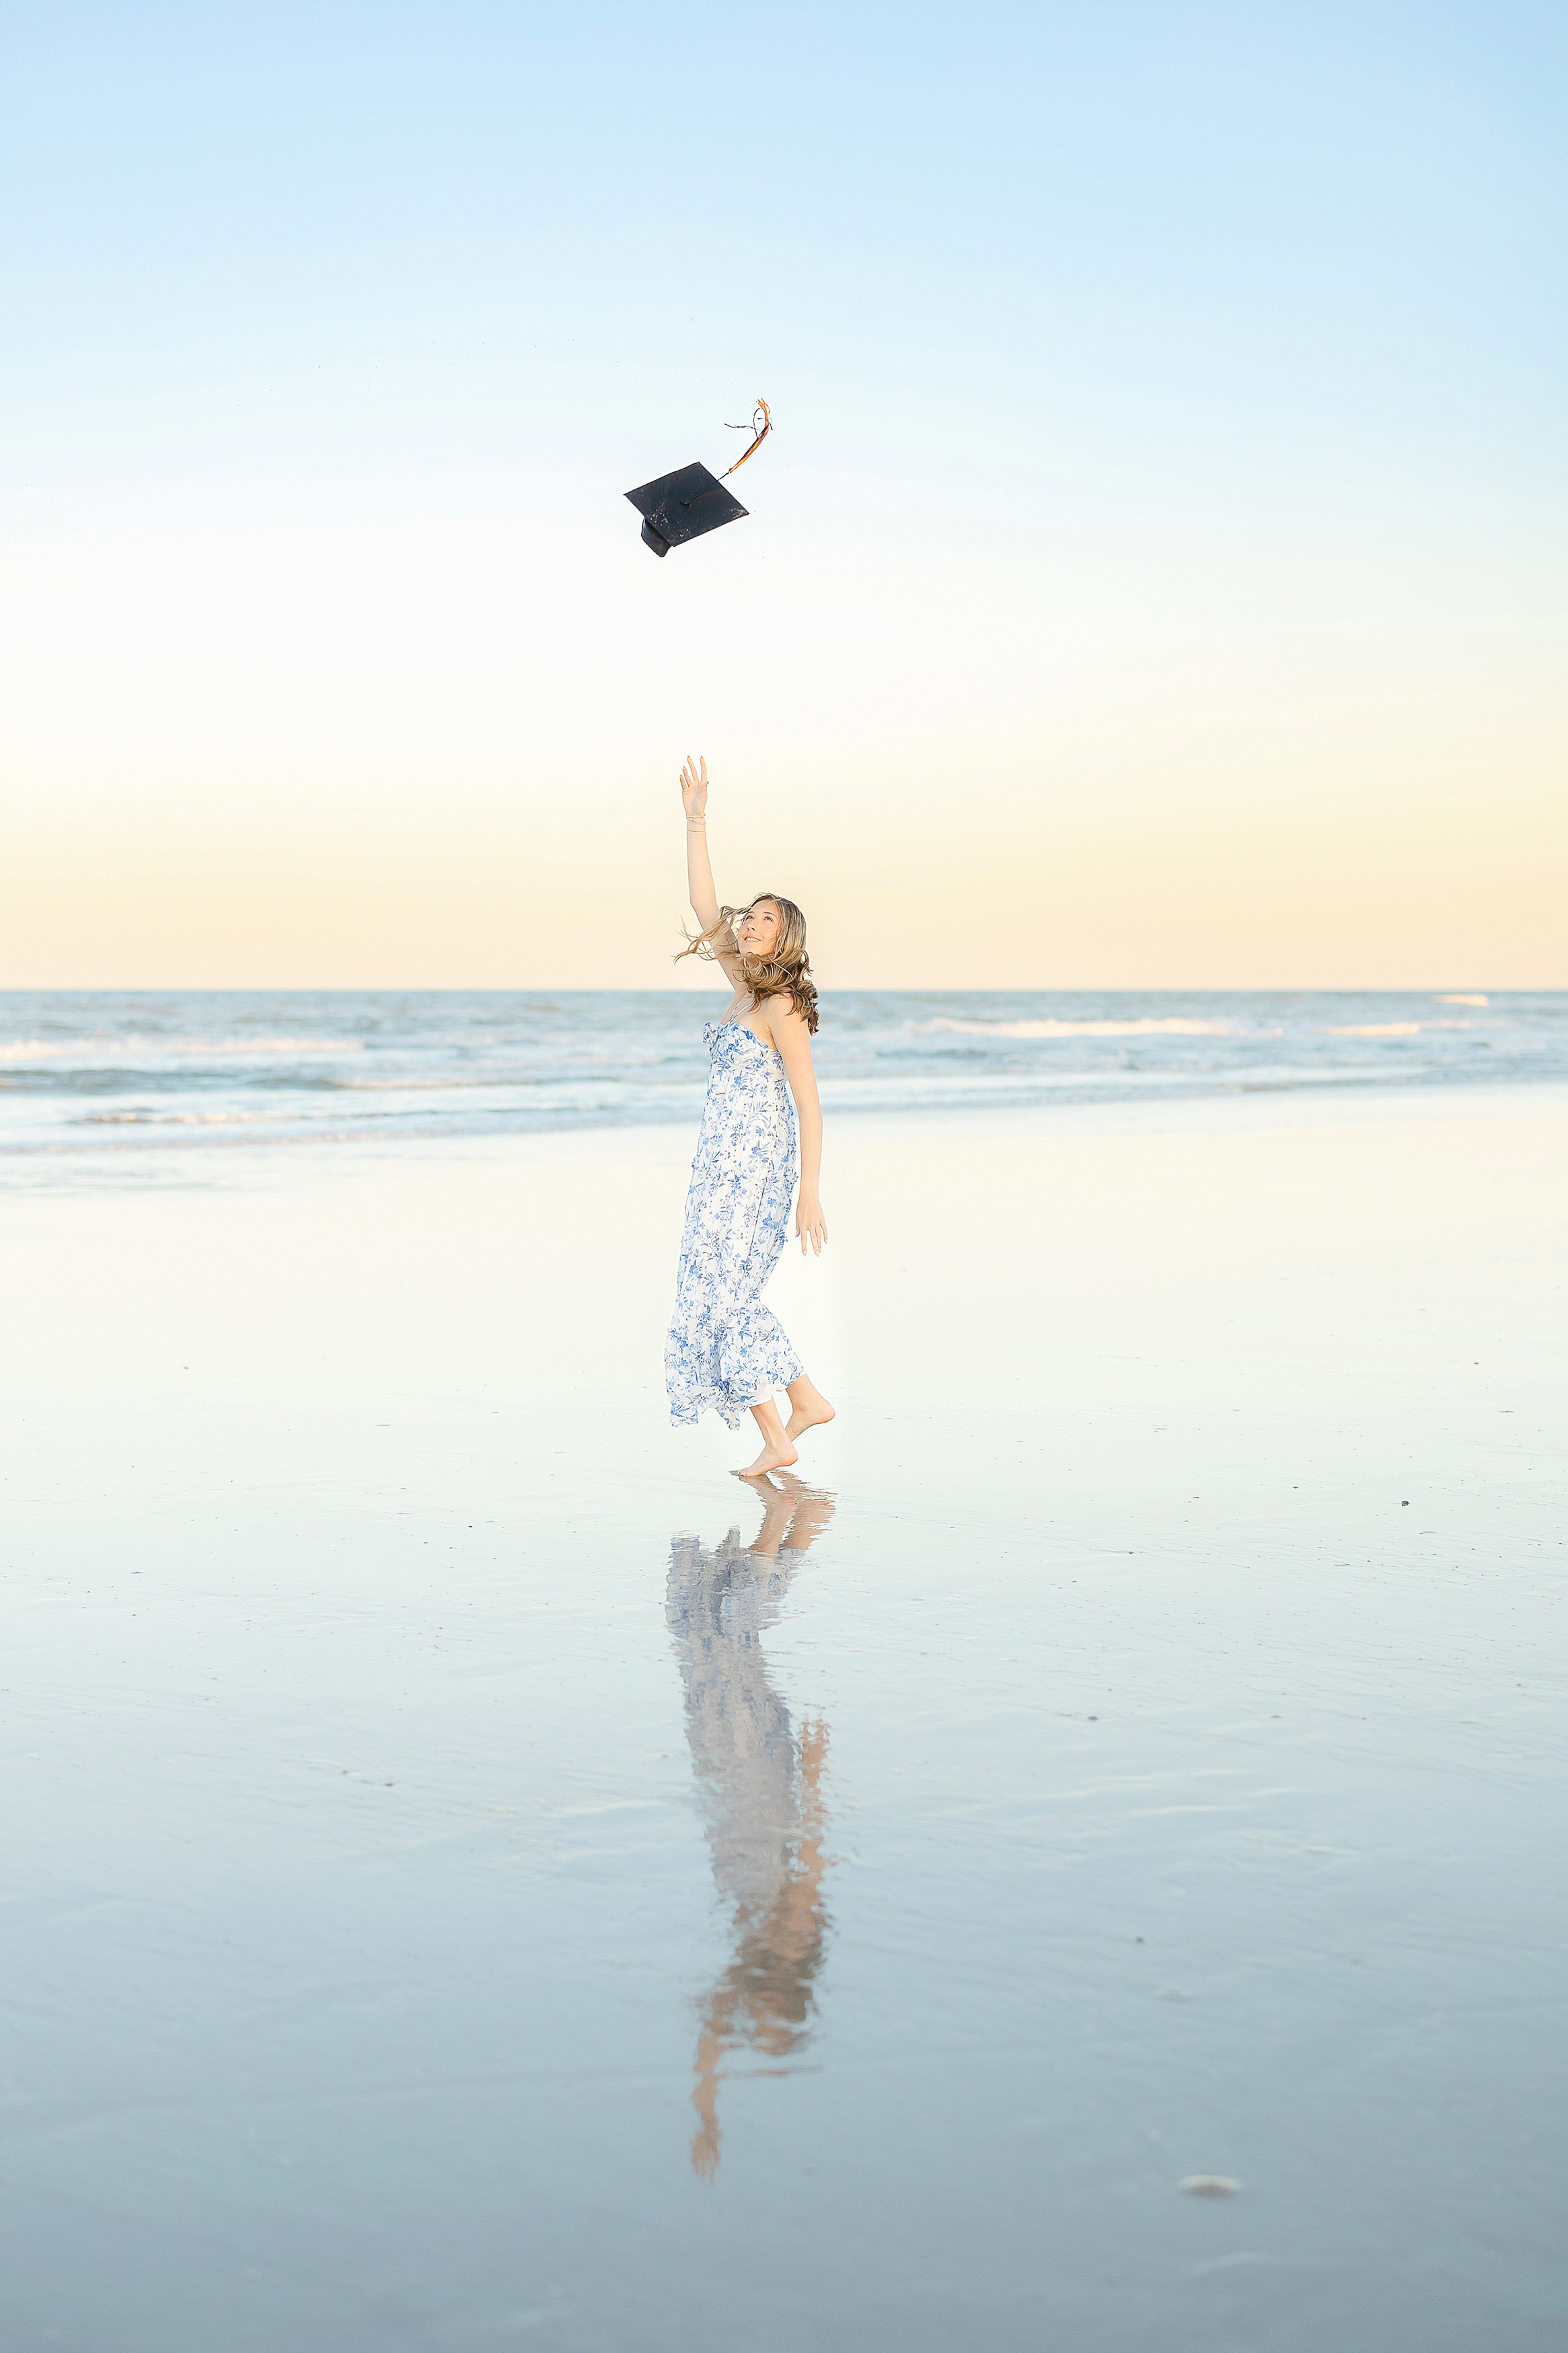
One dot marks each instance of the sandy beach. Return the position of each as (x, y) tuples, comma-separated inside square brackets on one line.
[(464, 1895)]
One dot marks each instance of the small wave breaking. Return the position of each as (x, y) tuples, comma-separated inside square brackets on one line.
[(1393, 1029), (139, 1047), (1174, 1027)]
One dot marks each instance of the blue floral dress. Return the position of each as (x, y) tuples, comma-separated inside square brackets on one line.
[(725, 1349)]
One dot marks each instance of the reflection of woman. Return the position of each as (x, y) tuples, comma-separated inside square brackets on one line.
[(758, 1786), (725, 1349)]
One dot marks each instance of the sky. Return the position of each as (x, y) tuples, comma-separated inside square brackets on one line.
[(1157, 576)]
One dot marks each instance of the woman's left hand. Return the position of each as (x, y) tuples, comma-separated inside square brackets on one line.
[(809, 1223)]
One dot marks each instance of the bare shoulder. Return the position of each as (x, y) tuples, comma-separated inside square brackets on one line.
[(786, 1026)]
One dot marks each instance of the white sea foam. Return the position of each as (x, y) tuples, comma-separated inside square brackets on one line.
[(137, 1047), (1391, 1029), (179, 1119), (1173, 1028)]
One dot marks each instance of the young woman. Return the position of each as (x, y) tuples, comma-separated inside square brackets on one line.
[(725, 1349)]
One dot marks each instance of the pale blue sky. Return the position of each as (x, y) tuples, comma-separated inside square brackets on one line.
[(1169, 467)]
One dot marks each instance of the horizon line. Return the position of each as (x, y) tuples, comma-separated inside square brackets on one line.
[(1470, 987)]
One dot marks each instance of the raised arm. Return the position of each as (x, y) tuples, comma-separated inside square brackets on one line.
[(698, 873)]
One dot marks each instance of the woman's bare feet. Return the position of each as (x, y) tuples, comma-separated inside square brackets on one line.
[(810, 1407), (777, 1454)]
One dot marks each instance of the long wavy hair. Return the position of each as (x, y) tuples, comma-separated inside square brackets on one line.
[(786, 973)]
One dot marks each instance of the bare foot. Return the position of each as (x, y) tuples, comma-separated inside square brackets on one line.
[(810, 1409), (776, 1455)]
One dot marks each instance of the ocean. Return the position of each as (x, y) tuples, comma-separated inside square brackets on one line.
[(106, 1073)]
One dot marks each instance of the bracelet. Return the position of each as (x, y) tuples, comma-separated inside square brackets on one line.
[(695, 820)]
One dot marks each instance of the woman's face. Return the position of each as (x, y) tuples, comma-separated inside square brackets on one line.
[(758, 929)]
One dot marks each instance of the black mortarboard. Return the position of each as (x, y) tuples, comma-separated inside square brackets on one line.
[(683, 506)]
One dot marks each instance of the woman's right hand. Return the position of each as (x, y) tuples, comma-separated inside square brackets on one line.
[(694, 788)]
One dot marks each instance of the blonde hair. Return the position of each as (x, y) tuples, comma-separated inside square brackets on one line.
[(786, 973)]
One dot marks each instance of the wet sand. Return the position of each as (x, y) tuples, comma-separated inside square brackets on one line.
[(480, 1877)]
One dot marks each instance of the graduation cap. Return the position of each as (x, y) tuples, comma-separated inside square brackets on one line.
[(682, 506), (685, 504)]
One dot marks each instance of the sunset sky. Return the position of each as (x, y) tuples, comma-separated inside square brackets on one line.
[(1157, 577)]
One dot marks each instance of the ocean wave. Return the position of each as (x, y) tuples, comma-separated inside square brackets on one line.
[(1173, 1028), (179, 1119), (184, 1049), (1393, 1029)]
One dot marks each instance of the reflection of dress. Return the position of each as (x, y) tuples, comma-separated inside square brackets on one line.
[(757, 1785), (725, 1349), (742, 1751)]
